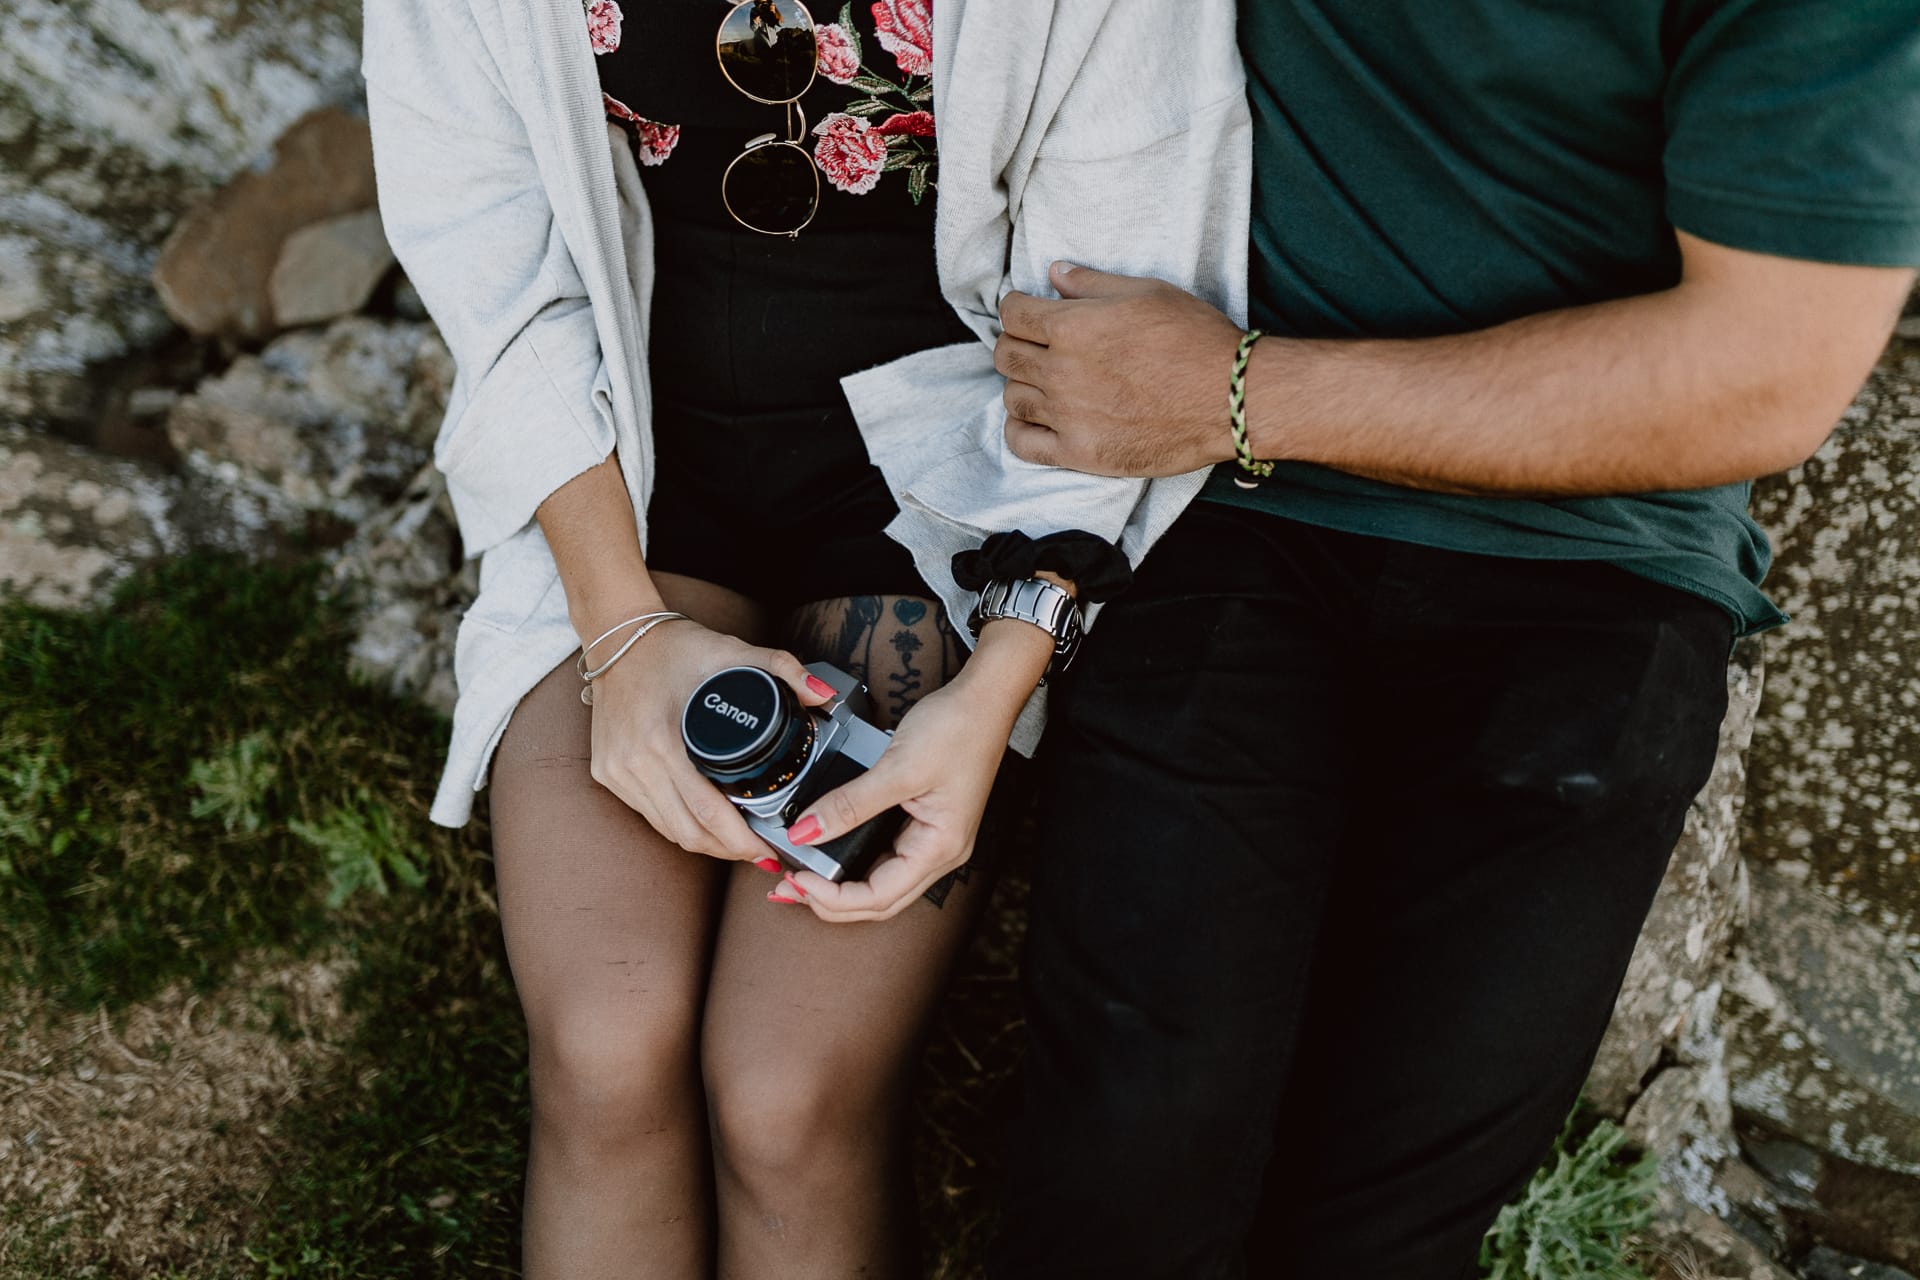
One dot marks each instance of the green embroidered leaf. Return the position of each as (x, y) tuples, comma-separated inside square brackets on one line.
[(917, 181), (924, 94), (866, 107), (853, 33), (866, 83), (899, 157)]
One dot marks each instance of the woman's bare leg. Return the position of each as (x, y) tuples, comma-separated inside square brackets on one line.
[(608, 929), (812, 1028)]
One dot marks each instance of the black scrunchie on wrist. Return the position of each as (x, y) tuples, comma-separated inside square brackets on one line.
[(1095, 566)]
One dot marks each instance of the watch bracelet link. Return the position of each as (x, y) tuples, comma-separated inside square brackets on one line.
[(1038, 602)]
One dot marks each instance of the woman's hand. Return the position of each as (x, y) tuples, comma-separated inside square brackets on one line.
[(637, 750), (939, 768)]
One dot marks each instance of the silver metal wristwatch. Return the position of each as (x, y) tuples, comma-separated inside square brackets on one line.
[(1036, 601)]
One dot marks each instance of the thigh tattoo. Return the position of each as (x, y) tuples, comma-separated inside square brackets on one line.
[(900, 647)]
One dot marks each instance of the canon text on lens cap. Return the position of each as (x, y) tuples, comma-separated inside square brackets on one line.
[(733, 715)]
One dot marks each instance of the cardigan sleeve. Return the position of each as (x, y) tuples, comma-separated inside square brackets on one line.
[(469, 219), (1133, 155)]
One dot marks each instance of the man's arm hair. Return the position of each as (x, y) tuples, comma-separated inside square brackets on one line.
[(1738, 371)]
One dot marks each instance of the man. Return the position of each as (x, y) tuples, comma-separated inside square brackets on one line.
[(1358, 798)]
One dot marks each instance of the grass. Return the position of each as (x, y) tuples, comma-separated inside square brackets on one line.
[(1577, 1216), (189, 781), (187, 778), (157, 760)]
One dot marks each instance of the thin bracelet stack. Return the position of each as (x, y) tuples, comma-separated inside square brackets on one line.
[(645, 623), (1253, 471)]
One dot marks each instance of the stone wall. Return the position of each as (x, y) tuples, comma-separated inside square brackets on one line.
[(116, 117), (1824, 1009), (1767, 1041)]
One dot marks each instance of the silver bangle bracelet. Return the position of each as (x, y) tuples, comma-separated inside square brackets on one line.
[(646, 622)]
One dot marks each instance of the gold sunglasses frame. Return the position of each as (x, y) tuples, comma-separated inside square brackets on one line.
[(793, 108)]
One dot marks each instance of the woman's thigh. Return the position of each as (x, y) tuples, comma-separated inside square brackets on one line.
[(797, 1004), (607, 923)]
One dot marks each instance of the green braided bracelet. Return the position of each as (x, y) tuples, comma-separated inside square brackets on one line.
[(1254, 470)]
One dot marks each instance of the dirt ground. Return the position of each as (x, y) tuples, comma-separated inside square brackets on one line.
[(138, 1142)]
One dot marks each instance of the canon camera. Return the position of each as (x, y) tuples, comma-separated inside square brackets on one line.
[(749, 735)]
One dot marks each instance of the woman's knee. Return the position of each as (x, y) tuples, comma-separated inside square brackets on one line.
[(777, 1123), (598, 1083)]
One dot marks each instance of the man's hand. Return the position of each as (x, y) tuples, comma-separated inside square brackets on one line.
[(1122, 376)]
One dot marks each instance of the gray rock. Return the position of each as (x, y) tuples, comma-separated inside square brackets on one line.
[(1868, 1211), (1826, 1264), (115, 116), (1835, 767), (215, 272), (405, 574), (1686, 1117), (1823, 1023), (1687, 932), (1787, 1164), (1692, 1244), (73, 301), (1823, 999), (74, 522), (330, 422), (329, 269)]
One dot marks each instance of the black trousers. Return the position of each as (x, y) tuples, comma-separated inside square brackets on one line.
[(1344, 847)]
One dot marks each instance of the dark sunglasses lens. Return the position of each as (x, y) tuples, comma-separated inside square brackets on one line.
[(773, 188), (767, 49)]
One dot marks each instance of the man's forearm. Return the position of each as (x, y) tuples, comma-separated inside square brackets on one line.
[(1739, 370), (1676, 390)]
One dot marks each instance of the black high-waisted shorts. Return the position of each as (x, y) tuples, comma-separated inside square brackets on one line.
[(762, 482)]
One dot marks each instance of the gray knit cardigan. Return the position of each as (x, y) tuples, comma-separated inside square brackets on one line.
[(1109, 132)]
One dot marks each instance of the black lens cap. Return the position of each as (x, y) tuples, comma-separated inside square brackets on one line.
[(735, 716)]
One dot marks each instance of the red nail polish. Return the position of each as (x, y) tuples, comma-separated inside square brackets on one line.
[(820, 686), (805, 831), (774, 897), (794, 885), (769, 865)]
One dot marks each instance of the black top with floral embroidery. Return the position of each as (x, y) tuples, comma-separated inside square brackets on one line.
[(868, 110)]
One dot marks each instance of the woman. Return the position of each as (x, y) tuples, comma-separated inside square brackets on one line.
[(719, 1079)]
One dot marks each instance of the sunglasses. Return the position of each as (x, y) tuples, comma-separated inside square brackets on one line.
[(768, 51)]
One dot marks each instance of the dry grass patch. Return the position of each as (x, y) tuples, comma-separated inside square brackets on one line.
[(142, 1142)]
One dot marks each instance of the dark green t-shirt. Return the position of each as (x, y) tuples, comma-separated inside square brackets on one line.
[(1434, 166)]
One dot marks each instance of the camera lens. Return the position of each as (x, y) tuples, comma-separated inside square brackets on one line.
[(746, 732)]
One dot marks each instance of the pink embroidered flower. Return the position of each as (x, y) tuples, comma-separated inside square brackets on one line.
[(914, 124), (838, 62), (905, 28), (603, 25), (656, 141), (652, 143), (849, 152)]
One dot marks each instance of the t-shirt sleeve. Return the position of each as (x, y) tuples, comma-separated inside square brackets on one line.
[(1793, 128)]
